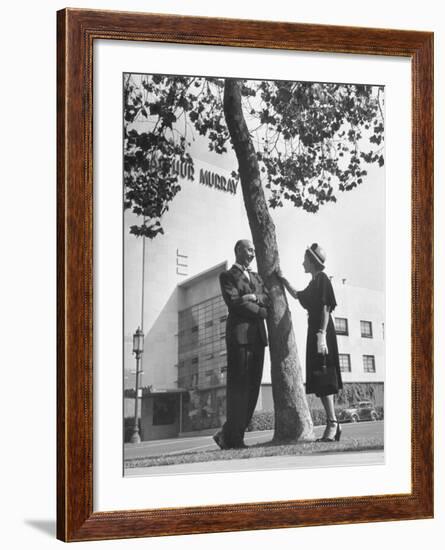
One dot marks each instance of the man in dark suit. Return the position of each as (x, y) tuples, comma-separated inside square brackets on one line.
[(247, 300)]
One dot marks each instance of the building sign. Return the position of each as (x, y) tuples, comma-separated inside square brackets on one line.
[(209, 178), (212, 179)]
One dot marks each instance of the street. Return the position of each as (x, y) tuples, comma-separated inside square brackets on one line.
[(205, 442)]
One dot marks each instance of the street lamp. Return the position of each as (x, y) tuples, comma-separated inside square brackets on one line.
[(138, 350)]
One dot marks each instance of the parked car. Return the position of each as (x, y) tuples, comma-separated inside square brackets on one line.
[(360, 411)]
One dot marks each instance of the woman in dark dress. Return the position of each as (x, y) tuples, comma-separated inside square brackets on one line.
[(323, 376)]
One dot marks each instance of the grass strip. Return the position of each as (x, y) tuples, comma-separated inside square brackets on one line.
[(259, 451)]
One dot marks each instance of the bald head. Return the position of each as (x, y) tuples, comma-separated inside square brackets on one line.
[(244, 252)]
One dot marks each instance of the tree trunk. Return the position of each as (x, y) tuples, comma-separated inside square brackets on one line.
[(292, 417)]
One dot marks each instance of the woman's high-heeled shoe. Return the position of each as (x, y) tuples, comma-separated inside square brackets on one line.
[(332, 432), (325, 433)]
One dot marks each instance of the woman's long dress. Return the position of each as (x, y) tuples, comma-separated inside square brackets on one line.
[(323, 376)]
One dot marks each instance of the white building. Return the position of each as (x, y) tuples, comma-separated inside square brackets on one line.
[(360, 327)]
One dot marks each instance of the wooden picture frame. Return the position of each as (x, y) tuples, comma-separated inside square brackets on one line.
[(77, 31)]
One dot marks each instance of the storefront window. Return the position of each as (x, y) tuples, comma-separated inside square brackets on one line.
[(164, 410)]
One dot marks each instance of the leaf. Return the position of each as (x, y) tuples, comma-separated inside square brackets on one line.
[(155, 108), (168, 119)]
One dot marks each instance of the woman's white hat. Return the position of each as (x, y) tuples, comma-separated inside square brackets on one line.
[(317, 253)]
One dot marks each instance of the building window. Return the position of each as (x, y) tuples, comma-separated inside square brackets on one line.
[(164, 410), (369, 363), (341, 326), (345, 362), (201, 335), (366, 329)]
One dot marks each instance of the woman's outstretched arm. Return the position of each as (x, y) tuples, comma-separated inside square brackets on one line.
[(292, 291)]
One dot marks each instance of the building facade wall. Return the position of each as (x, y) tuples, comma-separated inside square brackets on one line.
[(202, 354), (184, 250), (358, 305)]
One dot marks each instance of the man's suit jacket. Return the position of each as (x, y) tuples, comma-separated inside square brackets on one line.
[(245, 322)]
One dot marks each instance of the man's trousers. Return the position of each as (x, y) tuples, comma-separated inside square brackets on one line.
[(244, 372)]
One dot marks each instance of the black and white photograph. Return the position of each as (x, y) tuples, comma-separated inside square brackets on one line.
[(254, 274)]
